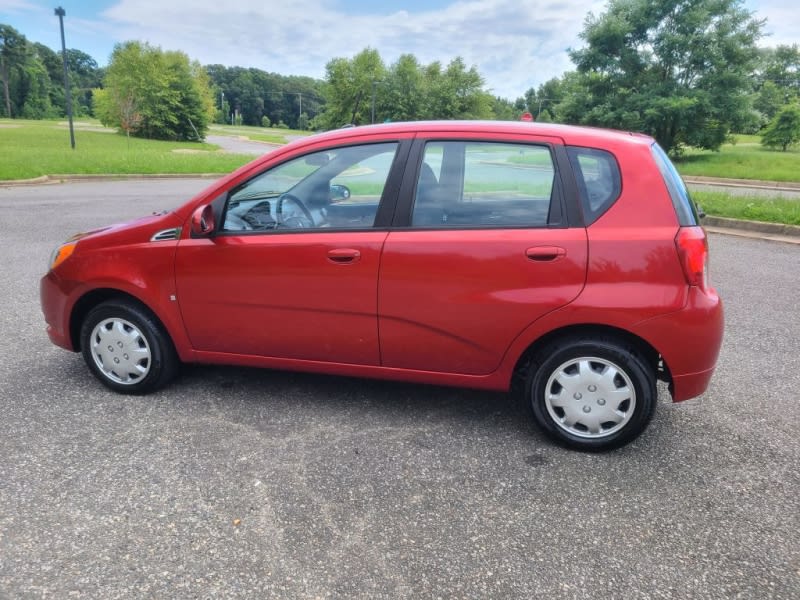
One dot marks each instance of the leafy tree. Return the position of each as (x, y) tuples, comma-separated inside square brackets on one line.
[(348, 88), (459, 94), (156, 94), (402, 93), (84, 76), (53, 64), (545, 97), (782, 67), (405, 91), (12, 55), (769, 99), (677, 69), (505, 110), (784, 130), (35, 84), (255, 93)]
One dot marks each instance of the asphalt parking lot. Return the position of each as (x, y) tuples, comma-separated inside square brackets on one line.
[(238, 483)]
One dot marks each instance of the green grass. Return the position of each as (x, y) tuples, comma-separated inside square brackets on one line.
[(743, 138), (34, 148), (261, 134), (770, 210), (746, 159)]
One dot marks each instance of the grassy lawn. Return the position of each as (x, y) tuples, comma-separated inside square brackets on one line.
[(261, 134), (746, 159), (34, 148), (720, 204)]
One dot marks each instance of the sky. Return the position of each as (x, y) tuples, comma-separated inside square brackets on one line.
[(515, 44)]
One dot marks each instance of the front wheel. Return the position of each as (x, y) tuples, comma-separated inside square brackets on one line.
[(591, 394), (126, 348)]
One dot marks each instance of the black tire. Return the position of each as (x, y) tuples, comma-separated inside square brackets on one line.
[(608, 398), (136, 355)]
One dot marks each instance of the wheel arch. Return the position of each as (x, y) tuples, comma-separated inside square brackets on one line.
[(641, 346), (97, 296)]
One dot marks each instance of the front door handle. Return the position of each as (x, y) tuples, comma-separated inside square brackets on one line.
[(545, 253), (344, 256)]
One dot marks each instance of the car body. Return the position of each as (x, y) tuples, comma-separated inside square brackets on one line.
[(562, 262)]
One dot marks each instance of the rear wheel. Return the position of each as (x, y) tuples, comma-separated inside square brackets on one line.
[(126, 348), (591, 394)]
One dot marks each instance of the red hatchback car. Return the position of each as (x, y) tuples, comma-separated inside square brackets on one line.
[(566, 263)]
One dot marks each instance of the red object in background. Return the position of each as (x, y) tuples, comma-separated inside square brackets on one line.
[(527, 117)]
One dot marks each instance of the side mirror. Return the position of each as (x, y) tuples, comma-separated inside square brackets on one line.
[(203, 222), (339, 192)]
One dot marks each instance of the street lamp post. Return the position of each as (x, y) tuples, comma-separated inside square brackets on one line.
[(60, 13)]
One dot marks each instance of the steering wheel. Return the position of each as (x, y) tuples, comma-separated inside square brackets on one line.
[(297, 222)]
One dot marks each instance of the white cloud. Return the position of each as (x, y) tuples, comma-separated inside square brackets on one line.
[(782, 24), (514, 44), (16, 5)]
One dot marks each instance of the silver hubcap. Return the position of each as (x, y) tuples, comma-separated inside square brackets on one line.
[(120, 351), (590, 397)]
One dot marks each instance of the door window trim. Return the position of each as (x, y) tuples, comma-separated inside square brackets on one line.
[(386, 203), (558, 212)]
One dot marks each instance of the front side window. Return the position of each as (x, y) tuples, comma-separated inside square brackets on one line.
[(339, 188), (483, 184)]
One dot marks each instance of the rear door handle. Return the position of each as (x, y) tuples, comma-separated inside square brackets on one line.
[(344, 256), (545, 253)]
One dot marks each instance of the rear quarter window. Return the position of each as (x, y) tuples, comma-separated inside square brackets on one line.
[(598, 177), (681, 200)]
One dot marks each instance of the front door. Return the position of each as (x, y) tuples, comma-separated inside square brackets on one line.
[(292, 271)]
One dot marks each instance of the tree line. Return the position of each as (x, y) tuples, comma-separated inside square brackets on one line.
[(688, 72), (33, 81)]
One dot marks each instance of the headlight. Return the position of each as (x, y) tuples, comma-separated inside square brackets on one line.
[(61, 254)]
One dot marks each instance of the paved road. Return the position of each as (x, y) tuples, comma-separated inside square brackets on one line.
[(360, 489)]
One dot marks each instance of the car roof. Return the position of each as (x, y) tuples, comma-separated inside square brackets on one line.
[(571, 134)]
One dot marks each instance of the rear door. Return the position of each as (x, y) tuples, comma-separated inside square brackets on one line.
[(481, 247)]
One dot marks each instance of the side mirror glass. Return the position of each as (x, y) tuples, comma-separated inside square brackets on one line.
[(203, 222), (339, 192)]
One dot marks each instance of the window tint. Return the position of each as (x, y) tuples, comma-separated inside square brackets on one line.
[(339, 188), (483, 184), (598, 178)]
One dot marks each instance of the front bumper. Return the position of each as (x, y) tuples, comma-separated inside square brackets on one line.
[(56, 313)]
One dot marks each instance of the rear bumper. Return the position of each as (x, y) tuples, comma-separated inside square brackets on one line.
[(689, 342), (689, 386)]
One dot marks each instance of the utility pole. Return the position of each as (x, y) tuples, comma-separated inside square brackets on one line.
[(60, 13)]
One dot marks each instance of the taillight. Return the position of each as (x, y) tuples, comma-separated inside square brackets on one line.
[(692, 246)]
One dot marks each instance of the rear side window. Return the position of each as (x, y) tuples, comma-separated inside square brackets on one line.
[(681, 200), (598, 179), (484, 184)]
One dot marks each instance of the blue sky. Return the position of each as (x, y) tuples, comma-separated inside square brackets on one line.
[(515, 44)]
